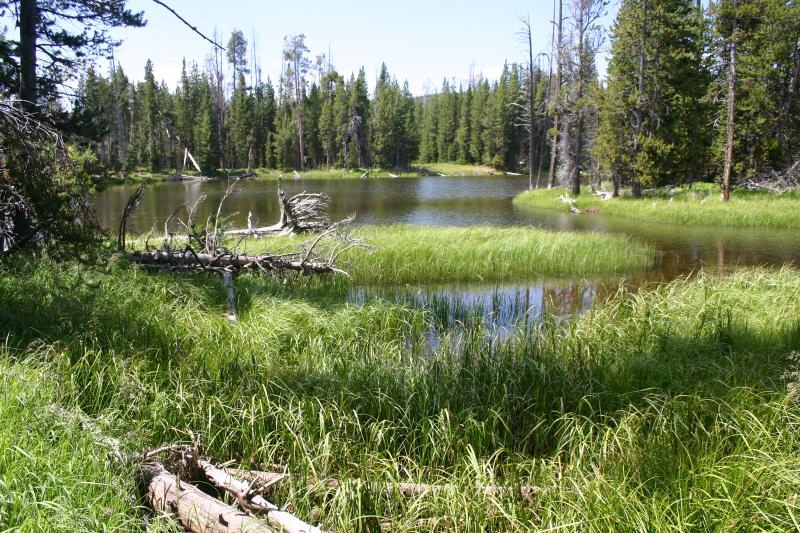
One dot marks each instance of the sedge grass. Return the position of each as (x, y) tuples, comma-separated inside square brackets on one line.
[(700, 206), (414, 254), (663, 410)]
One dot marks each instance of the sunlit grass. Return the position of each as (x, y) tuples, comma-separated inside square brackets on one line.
[(700, 206), (661, 410), (414, 254)]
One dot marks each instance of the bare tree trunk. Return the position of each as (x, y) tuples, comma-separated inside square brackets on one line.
[(28, 14), (576, 176), (788, 100), (726, 177), (636, 188), (298, 104), (531, 93), (551, 179)]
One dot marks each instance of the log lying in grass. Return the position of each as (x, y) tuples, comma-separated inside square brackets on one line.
[(258, 263), (197, 511), (164, 483), (243, 492), (407, 490)]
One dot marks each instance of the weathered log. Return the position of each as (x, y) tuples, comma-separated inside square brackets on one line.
[(267, 263), (393, 175), (197, 511), (244, 176), (301, 213), (242, 491), (188, 177)]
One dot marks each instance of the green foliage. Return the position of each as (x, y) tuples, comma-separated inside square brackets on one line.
[(615, 417), (413, 254), (767, 111), (672, 136), (697, 206)]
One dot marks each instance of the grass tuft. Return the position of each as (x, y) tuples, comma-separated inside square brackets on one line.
[(701, 205)]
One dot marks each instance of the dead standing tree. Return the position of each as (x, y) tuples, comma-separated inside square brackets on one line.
[(214, 248)]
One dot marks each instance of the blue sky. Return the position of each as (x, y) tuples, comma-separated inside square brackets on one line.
[(420, 41)]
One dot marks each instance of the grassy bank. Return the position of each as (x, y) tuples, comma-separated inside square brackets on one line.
[(414, 254), (699, 206), (427, 169), (665, 410), (419, 170)]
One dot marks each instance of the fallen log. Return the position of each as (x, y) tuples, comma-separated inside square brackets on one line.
[(243, 492), (244, 176), (188, 177), (264, 263), (393, 175), (196, 511)]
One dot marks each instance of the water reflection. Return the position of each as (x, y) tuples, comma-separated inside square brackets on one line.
[(468, 201)]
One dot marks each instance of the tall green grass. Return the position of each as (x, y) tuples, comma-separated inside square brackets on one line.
[(414, 254), (663, 410), (700, 206)]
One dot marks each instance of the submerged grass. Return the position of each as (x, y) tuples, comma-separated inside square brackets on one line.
[(664, 410), (414, 254), (700, 205)]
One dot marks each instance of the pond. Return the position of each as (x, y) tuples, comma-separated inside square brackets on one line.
[(466, 201)]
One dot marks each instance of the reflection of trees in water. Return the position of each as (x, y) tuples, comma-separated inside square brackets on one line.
[(457, 201)]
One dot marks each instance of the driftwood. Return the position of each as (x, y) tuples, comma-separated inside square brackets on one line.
[(233, 262), (244, 176), (774, 181), (248, 499), (196, 511), (304, 212), (188, 177), (184, 464), (208, 247), (393, 175), (604, 195), (565, 198)]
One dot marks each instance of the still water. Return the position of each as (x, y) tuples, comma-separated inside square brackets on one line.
[(467, 201)]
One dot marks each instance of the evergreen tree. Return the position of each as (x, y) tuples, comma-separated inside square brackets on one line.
[(668, 144)]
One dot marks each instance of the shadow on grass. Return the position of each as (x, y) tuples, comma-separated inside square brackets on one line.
[(320, 361)]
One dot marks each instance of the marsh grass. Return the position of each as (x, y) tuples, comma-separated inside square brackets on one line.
[(698, 206), (661, 410), (414, 254)]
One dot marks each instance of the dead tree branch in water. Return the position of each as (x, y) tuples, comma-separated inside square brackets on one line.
[(304, 212), (211, 246), (130, 206)]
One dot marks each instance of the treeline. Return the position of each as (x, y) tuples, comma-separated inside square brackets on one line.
[(691, 93), (328, 121)]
